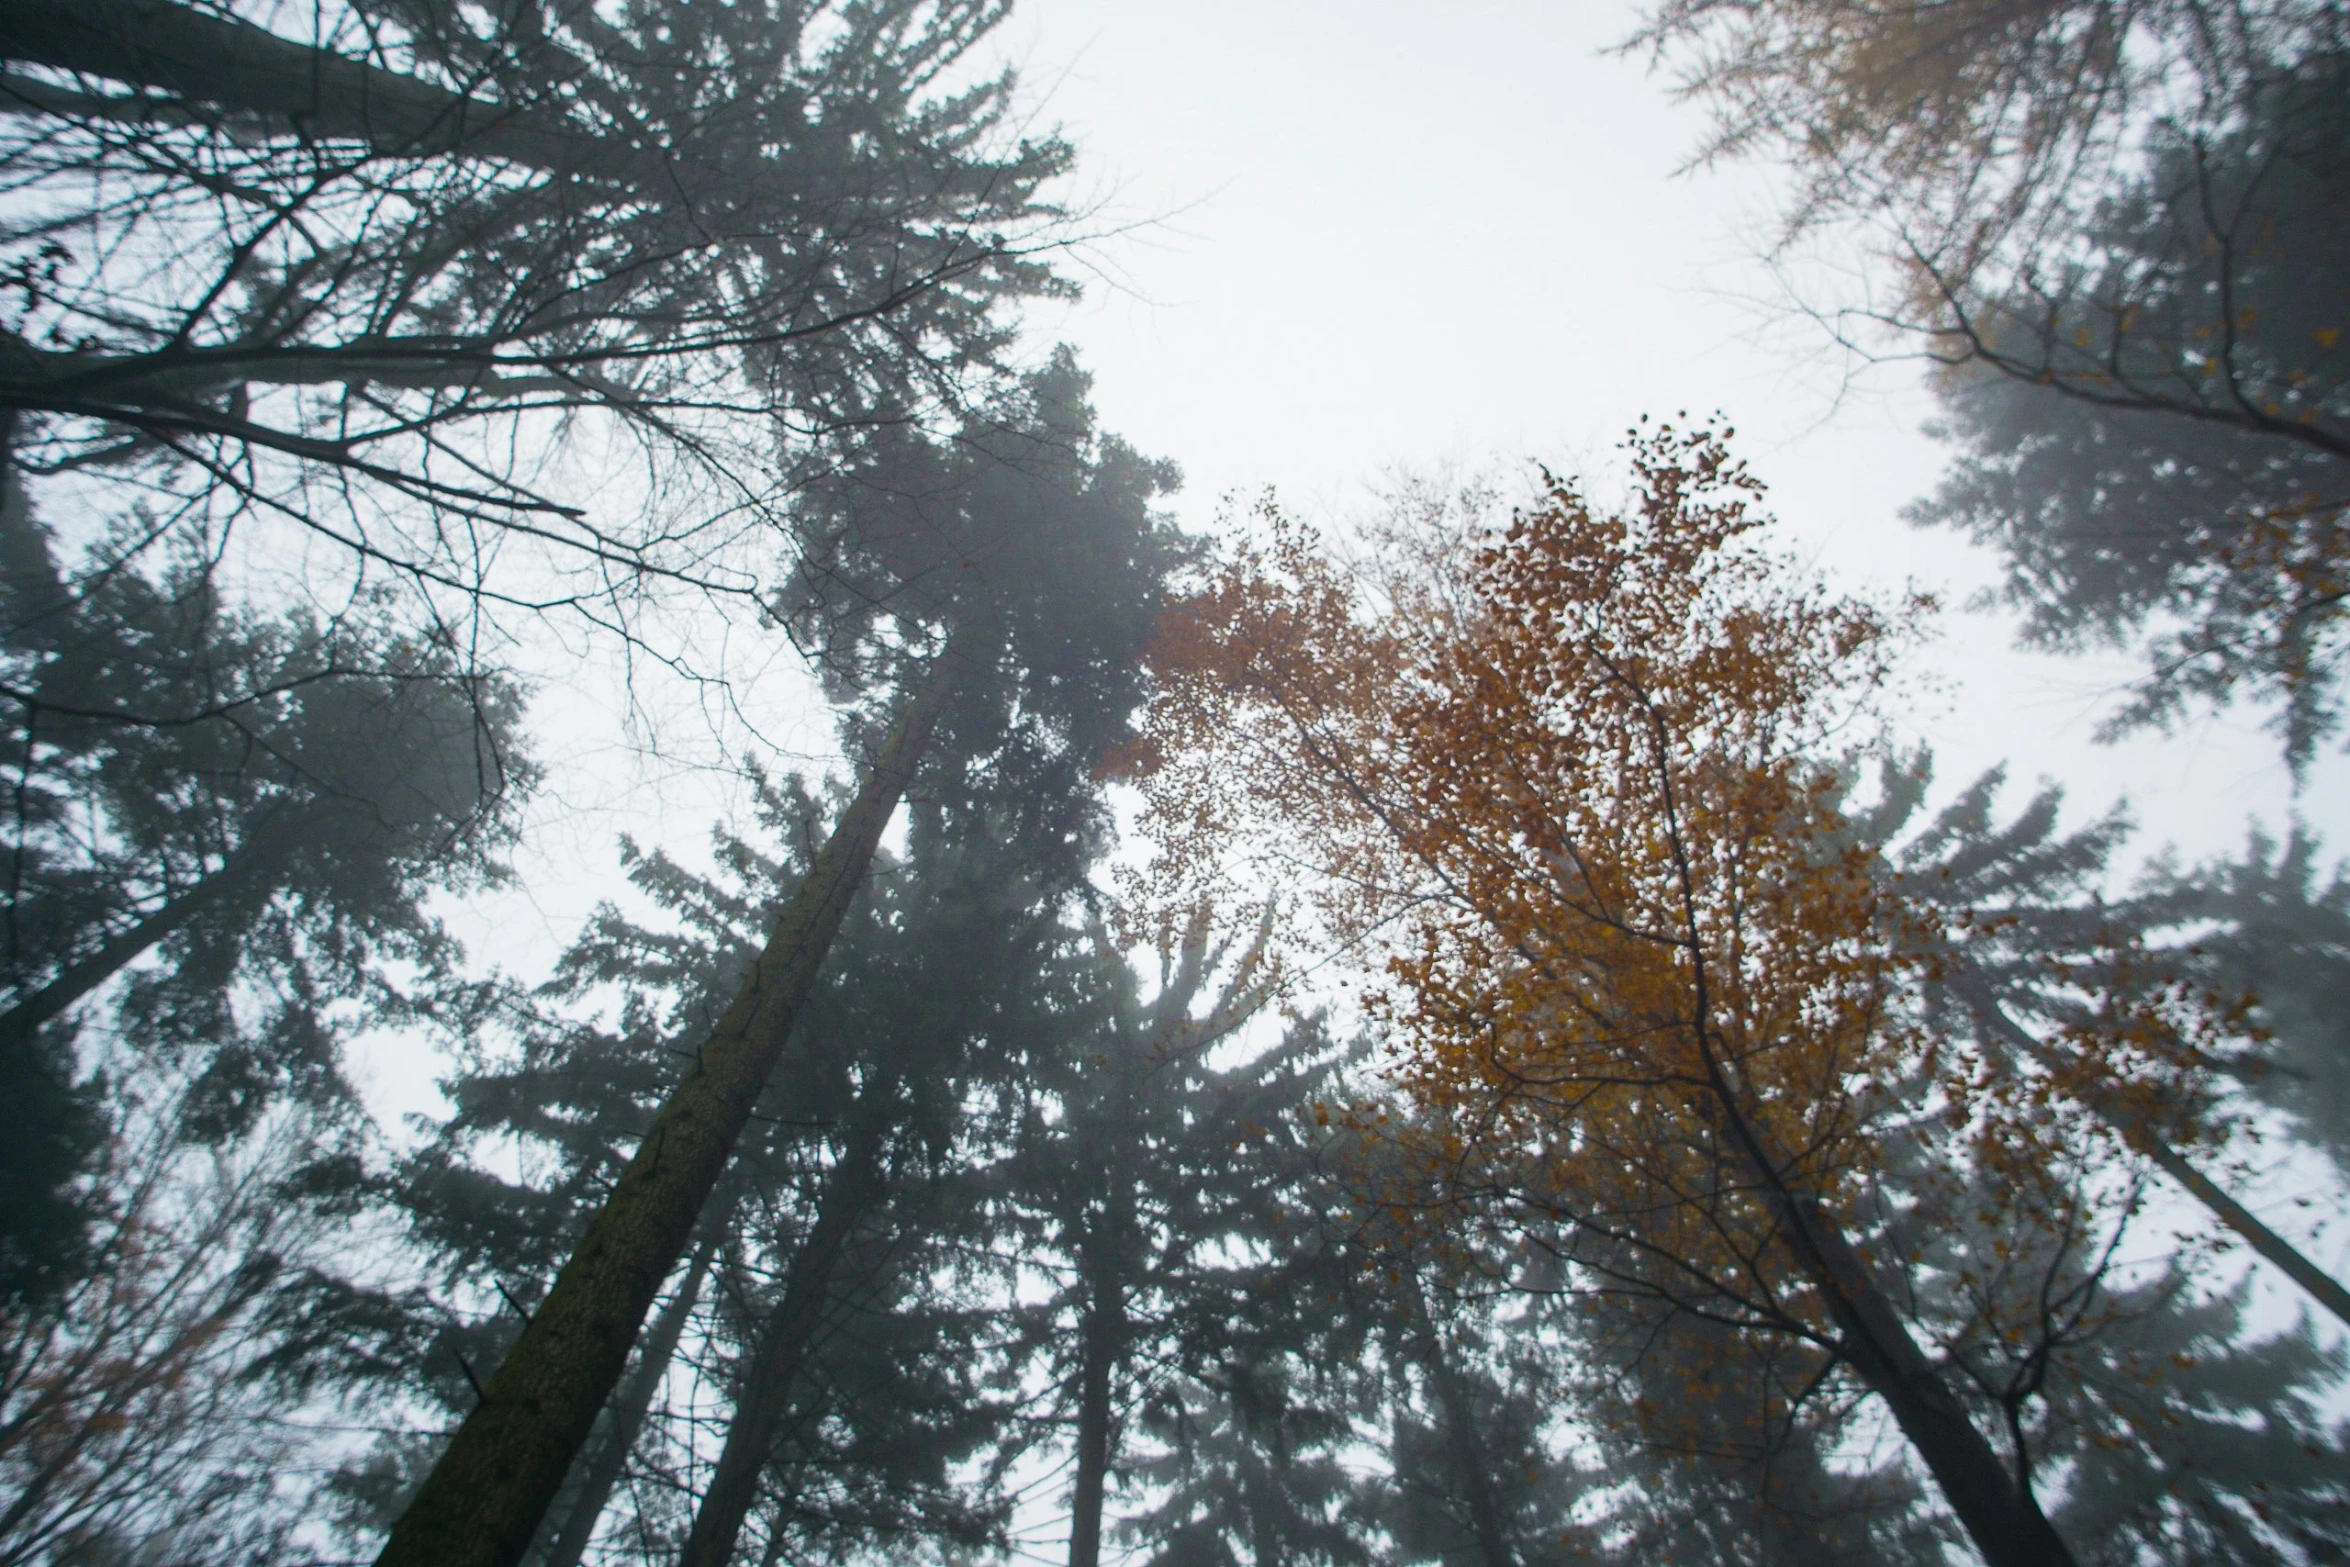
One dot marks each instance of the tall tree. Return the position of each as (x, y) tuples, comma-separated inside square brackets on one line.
[(224, 829), (1248, 1464), (2119, 229), (2268, 926), (143, 1405), (2154, 430), (561, 1100), (1647, 990), (937, 1020), (1979, 128), (1154, 1177), (2025, 950), (1020, 656)]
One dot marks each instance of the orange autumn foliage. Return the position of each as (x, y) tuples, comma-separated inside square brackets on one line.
[(1582, 778), (1577, 787)]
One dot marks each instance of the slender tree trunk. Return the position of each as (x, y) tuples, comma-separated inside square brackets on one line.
[(482, 1502), (1101, 1345), (2135, 1131), (628, 1416), (1998, 1511), (764, 1398), (1460, 1419), (20, 1022), (1994, 1505)]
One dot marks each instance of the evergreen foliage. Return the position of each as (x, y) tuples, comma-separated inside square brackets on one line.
[(223, 836), (2153, 426)]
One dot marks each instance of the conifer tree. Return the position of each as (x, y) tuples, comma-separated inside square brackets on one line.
[(314, 273), (1248, 1465), (1160, 1182), (2118, 231), (2266, 926), (941, 944), (224, 831), (936, 1020), (1720, 1454), (1019, 654)]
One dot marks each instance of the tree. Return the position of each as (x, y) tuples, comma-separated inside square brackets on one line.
[(1971, 124), (2118, 231), (2193, 1441), (1146, 1182), (152, 1405), (2154, 425), (802, 1236), (1249, 1465), (1472, 1391), (2025, 950), (358, 283), (935, 1018), (1720, 1456), (1025, 673), (267, 802), (1647, 986), (2265, 926)]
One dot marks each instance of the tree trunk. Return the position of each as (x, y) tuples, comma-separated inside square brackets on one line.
[(240, 69), (2134, 1130), (1998, 1512), (1994, 1506), (764, 1398), (1460, 1419), (482, 1502), (628, 1416), (1102, 1345), (20, 1022)]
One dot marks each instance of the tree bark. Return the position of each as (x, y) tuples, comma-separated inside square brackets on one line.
[(628, 1416), (482, 1502), (2134, 1131), (1460, 1419), (764, 1398)]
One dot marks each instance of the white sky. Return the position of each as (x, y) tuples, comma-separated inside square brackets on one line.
[(1401, 235)]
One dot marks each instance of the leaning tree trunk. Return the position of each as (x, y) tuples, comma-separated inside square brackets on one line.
[(20, 1022), (482, 1502), (628, 1416), (764, 1398), (1994, 1505), (2138, 1131)]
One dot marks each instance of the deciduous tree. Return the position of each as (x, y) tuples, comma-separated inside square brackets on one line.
[(1650, 990)]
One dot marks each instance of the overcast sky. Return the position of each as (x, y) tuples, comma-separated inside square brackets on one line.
[(1382, 235)]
